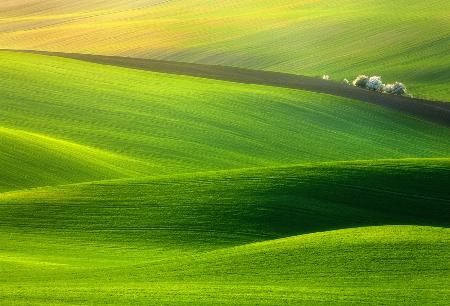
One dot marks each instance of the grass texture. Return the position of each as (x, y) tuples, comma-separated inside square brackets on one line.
[(390, 265), (402, 41), (134, 122), (127, 187), (233, 237)]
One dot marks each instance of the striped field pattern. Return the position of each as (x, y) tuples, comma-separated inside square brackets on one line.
[(130, 187), (400, 40)]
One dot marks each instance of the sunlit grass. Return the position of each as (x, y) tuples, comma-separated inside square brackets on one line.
[(401, 41)]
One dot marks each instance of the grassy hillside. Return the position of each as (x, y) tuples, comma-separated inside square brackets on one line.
[(195, 234), (390, 265), (238, 206), (401, 40), (122, 187), (29, 159), (151, 123)]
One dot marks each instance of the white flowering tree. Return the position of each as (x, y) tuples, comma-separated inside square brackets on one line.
[(375, 83), (361, 81), (395, 89)]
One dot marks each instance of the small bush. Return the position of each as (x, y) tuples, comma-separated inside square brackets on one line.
[(399, 89), (388, 88), (361, 81), (395, 89), (375, 83)]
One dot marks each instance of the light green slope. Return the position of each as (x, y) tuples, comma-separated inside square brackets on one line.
[(389, 265), (183, 124), (375, 265), (400, 40), (30, 159)]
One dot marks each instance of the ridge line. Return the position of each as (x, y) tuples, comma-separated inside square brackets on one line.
[(434, 111)]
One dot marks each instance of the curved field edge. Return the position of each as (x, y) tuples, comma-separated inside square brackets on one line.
[(434, 111), (31, 159), (179, 124), (374, 265), (314, 38), (207, 210)]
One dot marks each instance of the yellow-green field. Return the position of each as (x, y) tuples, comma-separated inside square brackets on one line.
[(403, 40)]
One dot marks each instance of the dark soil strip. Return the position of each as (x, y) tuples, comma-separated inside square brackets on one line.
[(434, 111)]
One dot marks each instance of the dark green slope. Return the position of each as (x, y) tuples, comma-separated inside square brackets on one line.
[(208, 238), (233, 207)]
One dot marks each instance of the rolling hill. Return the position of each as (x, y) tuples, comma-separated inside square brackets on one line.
[(122, 186), (30, 159), (406, 40), (390, 265), (210, 236), (138, 122), (434, 111), (239, 206)]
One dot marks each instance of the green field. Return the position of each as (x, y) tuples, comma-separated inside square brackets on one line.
[(232, 237), (115, 122), (121, 187), (401, 41)]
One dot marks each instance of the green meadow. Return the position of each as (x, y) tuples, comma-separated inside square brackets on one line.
[(316, 234), (400, 40), (128, 187), (73, 121)]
